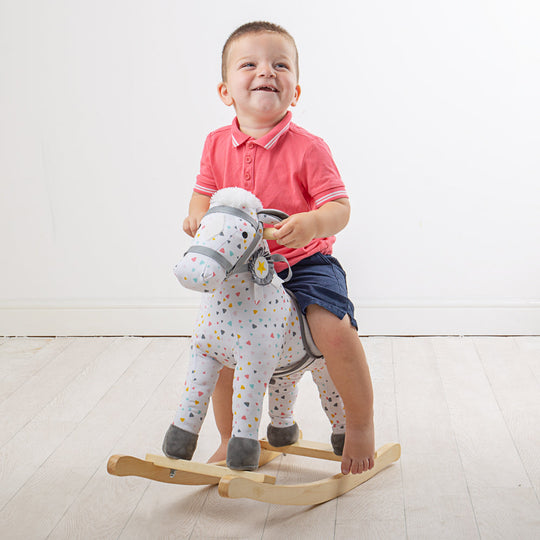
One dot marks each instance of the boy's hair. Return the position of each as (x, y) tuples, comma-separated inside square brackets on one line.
[(256, 27)]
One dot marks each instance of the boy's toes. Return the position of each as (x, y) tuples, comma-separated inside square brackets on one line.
[(356, 467), (346, 465), (365, 465)]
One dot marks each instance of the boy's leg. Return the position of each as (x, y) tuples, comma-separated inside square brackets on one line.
[(338, 340), (222, 406)]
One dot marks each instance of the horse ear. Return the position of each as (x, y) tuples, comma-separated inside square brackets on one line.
[(212, 226), (269, 216)]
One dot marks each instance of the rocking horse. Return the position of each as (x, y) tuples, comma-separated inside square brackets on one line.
[(248, 321)]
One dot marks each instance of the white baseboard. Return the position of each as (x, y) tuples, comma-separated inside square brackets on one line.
[(461, 320), (178, 319), (98, 320)]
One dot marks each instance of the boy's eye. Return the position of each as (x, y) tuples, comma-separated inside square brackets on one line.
[(282, 66), (247, 64)]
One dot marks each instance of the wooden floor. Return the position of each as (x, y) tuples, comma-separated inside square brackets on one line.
[(465, 410)]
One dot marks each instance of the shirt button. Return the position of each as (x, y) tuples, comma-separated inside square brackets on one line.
[(250, 145), (247, 176), (248, 159)]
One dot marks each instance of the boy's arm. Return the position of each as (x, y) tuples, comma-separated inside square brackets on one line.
[(198, 206), (300, 229)]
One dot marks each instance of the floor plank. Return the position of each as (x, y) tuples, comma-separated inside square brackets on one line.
[(45, 385), (488, 453), (46, 428), (105, 503), (483, 438), (436, 498), (20, 359), (517, 392), (529, 347), (51, 472)]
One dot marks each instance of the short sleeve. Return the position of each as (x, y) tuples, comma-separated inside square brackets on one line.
[(205, 183), (321, 177)]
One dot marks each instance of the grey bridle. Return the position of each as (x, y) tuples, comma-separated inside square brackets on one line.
[(241, 264)]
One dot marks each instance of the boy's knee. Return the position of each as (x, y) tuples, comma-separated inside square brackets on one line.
[(329, 332)]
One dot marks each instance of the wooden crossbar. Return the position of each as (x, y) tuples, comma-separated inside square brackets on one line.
[(205, 469), (304, 448)]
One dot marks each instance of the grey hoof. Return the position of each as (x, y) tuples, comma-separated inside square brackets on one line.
[(282, 436), (338, 442), (243, 454), (179, 443)]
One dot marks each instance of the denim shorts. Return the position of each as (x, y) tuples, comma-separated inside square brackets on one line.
[(320, 280)]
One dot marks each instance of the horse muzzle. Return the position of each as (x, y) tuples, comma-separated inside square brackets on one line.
[(199, 272)]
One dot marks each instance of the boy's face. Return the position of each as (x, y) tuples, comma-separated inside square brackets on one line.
[(261, 79)]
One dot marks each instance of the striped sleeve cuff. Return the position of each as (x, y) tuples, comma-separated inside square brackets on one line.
[(339, 194), (203, 190)]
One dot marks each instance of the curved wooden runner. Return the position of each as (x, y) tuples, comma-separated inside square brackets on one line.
[(312, 492)]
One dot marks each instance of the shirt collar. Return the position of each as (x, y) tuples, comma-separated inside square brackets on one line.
[(267, 141)]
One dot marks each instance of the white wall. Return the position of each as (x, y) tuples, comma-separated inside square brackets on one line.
[(431, 109)]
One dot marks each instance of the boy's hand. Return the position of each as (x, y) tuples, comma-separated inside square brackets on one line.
[(198, 206), (297, 230), (300, 229), (191, 225)]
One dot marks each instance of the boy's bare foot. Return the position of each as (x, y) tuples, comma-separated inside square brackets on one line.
[(220, 454), (359, 450)]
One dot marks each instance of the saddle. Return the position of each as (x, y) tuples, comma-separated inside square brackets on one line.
[(312, 353)]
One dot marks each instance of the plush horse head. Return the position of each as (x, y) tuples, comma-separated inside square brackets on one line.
[(229, 241)]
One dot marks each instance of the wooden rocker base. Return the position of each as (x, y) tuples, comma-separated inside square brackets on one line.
[(255, 485)]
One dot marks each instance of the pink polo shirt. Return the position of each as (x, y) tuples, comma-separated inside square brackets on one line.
[(288, 169)]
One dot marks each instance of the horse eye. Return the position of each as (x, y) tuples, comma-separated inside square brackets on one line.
[(245, 234)]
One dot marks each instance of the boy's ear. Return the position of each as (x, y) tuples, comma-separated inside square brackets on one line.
[(297, 92), (223, 92)]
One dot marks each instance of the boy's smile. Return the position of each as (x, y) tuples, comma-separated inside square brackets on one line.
[(265, 89), (261, 81)]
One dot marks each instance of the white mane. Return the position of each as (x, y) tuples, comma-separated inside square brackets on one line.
[(237, 198)]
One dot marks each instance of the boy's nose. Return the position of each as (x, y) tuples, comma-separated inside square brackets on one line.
[(266, 70)]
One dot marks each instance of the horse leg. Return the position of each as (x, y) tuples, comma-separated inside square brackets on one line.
[(249, 387), (332, 405), (181, 438), (282, 393)]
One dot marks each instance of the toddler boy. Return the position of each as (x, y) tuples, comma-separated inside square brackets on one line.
[(292, 170)]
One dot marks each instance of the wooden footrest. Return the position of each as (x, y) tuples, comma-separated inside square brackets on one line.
[(304, 448)]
